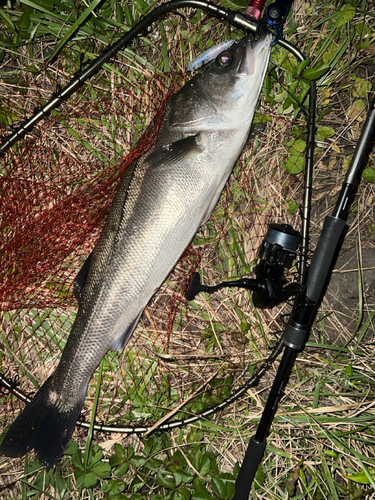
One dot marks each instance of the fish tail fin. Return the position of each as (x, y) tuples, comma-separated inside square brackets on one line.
[(44, 426)]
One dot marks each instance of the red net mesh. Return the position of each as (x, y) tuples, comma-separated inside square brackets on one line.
[(56, 187)]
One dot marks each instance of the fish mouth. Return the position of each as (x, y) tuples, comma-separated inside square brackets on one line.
[(253, 51)]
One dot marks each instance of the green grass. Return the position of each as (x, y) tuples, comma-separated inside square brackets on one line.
[(322, 441)]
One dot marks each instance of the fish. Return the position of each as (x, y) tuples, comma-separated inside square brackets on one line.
[(165, 196)]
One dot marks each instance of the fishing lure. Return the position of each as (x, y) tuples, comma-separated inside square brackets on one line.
[(209, 55)]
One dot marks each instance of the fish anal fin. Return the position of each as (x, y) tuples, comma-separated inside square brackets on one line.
[(121, 340), (81, 278)]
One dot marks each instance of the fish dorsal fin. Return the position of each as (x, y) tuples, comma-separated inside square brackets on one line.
[(178, 151), (81, 278)]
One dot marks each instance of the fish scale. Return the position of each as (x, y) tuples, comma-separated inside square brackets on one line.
[(164, 197)]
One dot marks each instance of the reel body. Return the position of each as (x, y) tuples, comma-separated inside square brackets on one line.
[(270, 287)]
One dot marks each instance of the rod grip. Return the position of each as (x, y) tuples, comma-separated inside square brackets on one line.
[(323, 257), (251, 462)]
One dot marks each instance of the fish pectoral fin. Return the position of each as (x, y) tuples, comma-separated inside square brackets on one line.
[(178, 151), (122, 339), (81, 278)]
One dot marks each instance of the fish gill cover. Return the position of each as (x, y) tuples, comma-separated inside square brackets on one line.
[(58, 183)]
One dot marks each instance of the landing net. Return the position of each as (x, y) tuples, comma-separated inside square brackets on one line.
[(58, 183)]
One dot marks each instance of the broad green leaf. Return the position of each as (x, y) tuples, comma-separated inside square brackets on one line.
[(200, 489), (141, 6), (166, 481), (24, 20), (102, 470), (205, 465), (295, 164), (259, 477), (177, 478), (71, 449), (291, 93), (186, 478), (316, 72), (347, 12), (324, 132), (96, 457), (122, 469), (361, 87), (293, 207), (300, 68), (368, 174), (90, 480), (360, 478), (296, 146), (219, 487), (138, 461), (115, 460), (59, 483), (184, 493), (120, 450)]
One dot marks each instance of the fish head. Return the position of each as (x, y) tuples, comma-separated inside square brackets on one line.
[(225, 93), (234, 79)]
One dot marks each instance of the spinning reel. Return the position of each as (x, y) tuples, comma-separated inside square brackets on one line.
[(277, 253)]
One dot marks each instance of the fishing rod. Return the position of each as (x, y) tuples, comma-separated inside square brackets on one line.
[(313, 281), (306, 303)]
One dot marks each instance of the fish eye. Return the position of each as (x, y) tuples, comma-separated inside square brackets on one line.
[(224, 59)]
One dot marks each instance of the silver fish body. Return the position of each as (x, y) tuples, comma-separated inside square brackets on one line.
[(165, 196)]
